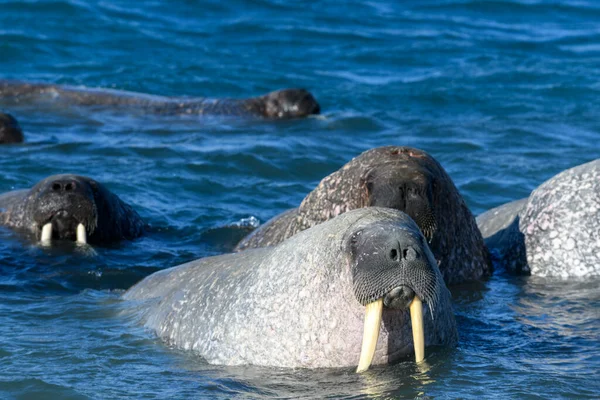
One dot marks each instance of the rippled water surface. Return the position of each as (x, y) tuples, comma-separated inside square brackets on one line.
[(504, 94)]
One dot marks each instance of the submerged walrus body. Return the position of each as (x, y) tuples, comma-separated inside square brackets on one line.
[(10, 131), (70, 207), (302, 303), (553, 232), (280, 104), (403, 178)]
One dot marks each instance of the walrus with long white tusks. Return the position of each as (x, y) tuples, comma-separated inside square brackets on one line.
[(553, 232), (279, 104), (70, 207), (335, 295), (403, 178), (10, 131)]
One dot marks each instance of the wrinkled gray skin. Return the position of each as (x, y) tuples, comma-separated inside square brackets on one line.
[(403, 178), (67, 200), (10, 131), (280, 104), (296, 304), (553, 232)]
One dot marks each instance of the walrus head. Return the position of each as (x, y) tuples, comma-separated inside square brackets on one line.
[(289, 103), (10, 131), (392, 267), (406, 181), (72, 207)]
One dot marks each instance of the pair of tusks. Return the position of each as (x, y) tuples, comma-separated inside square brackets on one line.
[(373, 315), (47, 233)]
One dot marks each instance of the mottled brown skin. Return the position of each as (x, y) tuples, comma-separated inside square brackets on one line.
[(65, 201), (10, 131), (403, 178), (280, 104)]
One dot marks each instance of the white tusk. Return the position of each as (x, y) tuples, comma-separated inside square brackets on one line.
[(416, 319), (81, 235), (46, 232), (373, 312)]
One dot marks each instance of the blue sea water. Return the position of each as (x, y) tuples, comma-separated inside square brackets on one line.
[(503, 93)]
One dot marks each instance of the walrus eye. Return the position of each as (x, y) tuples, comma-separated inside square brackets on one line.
[(353, 242), (354, 238)]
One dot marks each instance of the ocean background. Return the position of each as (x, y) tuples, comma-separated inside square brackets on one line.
[(504, 94)]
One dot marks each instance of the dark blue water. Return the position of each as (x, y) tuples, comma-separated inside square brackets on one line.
[(504, 94)]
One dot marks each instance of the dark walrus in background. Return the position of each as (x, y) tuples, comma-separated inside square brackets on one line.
[(10, 131), (403, 178), (70, 207), (280, 104)]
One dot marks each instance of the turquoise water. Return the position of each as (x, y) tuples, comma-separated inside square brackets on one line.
[(504, 94)]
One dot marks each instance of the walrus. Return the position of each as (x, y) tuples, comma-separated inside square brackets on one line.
[(280, 104), (10, 131), (302, 302), (553, 232), (70, 207), (403, 178)]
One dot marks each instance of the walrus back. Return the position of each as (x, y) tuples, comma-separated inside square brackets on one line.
[(22, 92), (228, 307), (271, 232), (12, 207), (499, 218)]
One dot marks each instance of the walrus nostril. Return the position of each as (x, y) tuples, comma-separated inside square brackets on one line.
[(410, 254), (62, 185), (394, 254)]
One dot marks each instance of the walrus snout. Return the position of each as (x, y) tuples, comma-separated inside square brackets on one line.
[(393, 267), (307, 105), (399, 297), (10, 131), (64, 226), (290, 103), (65, 208), (64, 185), (386, 257)]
